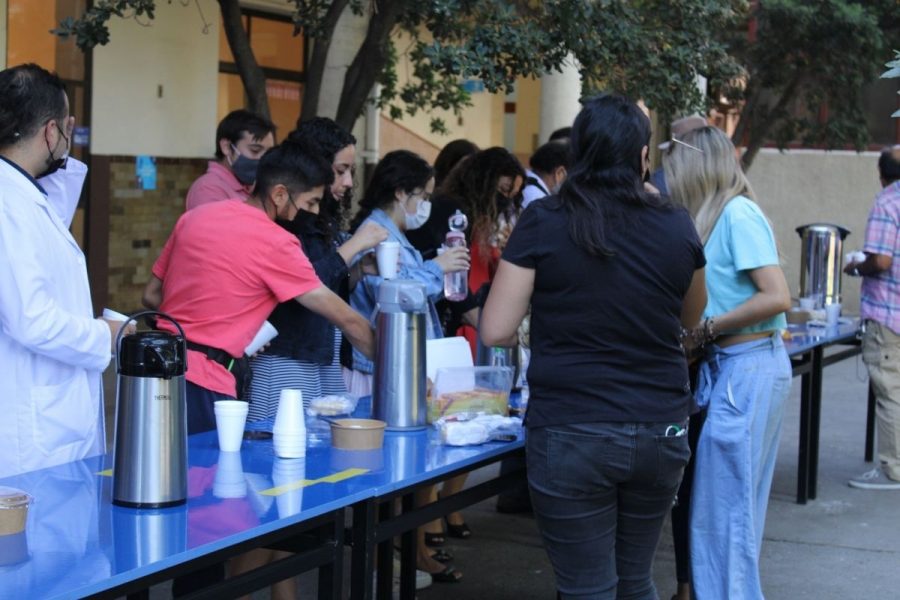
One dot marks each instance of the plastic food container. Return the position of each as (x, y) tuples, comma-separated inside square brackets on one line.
[(13, 510), (357, 434), (471, 390), (14, 505)]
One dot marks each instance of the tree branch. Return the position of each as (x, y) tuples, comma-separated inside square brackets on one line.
[(765, 122), (312, 89), (251, 74), (368, 62)]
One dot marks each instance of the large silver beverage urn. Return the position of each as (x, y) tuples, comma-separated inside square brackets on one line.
[(150, 456), (398, 392), (820, 261)]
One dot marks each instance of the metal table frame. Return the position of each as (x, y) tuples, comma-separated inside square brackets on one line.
[(809, 365), (376, 523)]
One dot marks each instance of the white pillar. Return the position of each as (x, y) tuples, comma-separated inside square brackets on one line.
[(560, 95), (348, 36)]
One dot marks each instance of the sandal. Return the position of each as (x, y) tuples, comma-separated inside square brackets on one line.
[(461, 531), (434, 539), (448, 575)]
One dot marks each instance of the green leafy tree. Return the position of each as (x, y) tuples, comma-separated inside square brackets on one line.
[(806, 63), (651, 49)]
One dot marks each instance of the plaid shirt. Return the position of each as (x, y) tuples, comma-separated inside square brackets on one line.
[(881, 293)]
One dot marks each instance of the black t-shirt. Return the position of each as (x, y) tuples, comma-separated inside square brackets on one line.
[(605, 330)]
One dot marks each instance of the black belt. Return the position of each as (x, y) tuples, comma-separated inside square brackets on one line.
[(215, 354)]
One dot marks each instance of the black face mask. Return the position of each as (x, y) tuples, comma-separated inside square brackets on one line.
[(55, 164)]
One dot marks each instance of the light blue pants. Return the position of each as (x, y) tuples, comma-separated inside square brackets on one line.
[(744, 388)]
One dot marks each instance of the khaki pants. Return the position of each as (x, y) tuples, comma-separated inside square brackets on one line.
[(881, 353)]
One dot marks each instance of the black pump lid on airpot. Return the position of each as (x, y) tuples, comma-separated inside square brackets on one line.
[(152, 354)]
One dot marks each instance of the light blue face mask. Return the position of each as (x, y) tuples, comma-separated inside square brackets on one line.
[(420, 217)]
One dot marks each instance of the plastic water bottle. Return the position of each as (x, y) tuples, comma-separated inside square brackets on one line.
[(456, 285)]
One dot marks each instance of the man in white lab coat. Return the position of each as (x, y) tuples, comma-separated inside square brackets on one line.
[(52, 350)]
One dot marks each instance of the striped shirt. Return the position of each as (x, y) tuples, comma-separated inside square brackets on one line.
[(880, 299)]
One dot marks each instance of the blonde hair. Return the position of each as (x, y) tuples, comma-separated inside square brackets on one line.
[(703, 175)]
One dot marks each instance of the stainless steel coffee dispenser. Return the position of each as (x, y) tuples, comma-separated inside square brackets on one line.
[(398, 392), (150, 456), (820, 261)]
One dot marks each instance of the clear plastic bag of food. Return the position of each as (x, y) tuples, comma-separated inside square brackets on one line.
[(332, 405)]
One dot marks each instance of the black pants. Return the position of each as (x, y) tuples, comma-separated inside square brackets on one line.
[(681, 512)]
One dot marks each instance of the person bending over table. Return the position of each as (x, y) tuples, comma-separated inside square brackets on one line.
[(745, 373), (612, 274)]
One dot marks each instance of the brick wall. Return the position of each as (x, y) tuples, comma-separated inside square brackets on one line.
[(140, 222)]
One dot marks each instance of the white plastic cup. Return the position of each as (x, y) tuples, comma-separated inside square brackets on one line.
[(289, 445), (231, 415), (112, 315), (290, 418), (291, 473), (229, 481), (387, 255), (832, 313), (265, 335), (808, 303)]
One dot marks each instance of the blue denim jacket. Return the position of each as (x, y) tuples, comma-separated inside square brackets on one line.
[(412, 266)]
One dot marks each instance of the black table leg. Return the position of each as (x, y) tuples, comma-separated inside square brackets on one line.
[(408, 554), (385, 560), (870, 425), (815, 418), (803, 452), (331, 575), (362, 562)]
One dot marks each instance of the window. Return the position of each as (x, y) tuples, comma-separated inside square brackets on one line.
[(282, 57)]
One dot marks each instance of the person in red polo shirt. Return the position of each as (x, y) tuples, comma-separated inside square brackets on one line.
[(241, 139), (226, 266)]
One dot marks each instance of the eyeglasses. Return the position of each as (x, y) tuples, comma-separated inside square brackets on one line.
[(675, 140)]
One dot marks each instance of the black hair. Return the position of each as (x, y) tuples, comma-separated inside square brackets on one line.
[(889, 164), (235, 123), (562, 133), (398, 170), (606, 173), (296, 166), (449, 157), (322, 135), (550, 157), (326, 138), (473, 183), (30, 96)]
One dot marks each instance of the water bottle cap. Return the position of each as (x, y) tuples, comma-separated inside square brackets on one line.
[(458, 221)]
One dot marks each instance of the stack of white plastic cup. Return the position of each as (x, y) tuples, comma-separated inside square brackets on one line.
[(289, 432), (289, 473), (229, 481), (231, 415)]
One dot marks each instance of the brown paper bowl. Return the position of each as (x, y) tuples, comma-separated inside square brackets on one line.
[(357, 434)]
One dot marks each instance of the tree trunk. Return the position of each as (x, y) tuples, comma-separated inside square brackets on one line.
[(312, 88), (368, 62), (250, 72), (763, 123)]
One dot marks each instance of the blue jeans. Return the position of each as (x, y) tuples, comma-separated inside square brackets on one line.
[(745, 387), (600, 493)]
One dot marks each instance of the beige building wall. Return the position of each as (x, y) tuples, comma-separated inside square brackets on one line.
[(155, 87), (482, 123), (528, 117), (812, 186)]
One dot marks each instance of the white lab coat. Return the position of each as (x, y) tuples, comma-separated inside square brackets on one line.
[(52, 350)]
